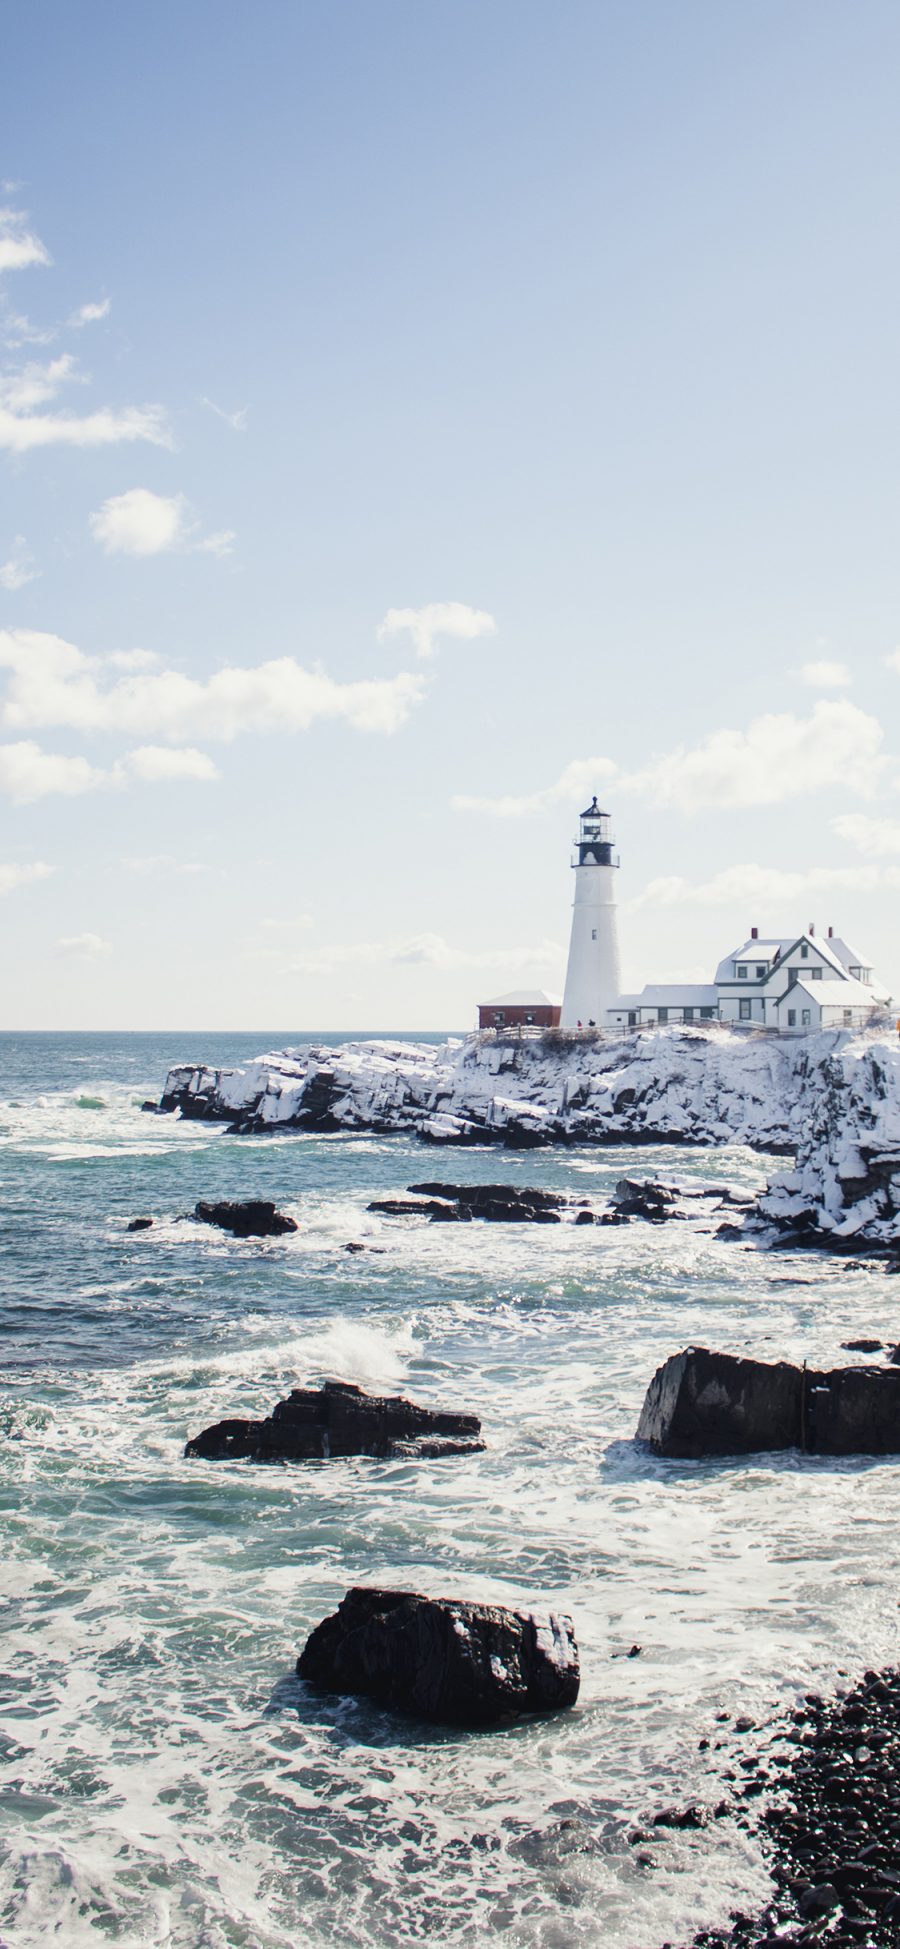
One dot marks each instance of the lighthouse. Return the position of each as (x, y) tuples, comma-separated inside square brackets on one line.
[(593, 982)]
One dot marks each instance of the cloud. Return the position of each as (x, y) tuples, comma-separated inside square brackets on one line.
[(579, 780), (778, 757), (893, 661), (762, 886), (876, 837), (89, 314), (422, 950), (53, 683), (16, 571), (825, 675), (28, 773), (19, 247), (140, 522), (436, 619), (237, 420), (132, 659), (157, 763), (22, 427), (12, 876), (88, 945)]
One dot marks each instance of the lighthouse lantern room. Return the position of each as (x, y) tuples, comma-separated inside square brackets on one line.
[(593, 981)]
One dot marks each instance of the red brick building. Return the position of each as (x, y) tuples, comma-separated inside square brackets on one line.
[(522, 1008)]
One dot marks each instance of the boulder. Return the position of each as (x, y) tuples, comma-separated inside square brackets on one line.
[(246, 1218), (414, 1208), (476, 1195), (703, 1403), (456, 1663), (139, 1225), (642, 1198), (338, 1419)]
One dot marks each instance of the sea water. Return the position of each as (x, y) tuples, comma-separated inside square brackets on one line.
[(165, 1777)]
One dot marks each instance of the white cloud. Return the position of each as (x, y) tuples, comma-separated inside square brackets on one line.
[(893, 661), (778, 757), (19, 247), (237, 420), (12, 876), (22, 427), (157, 763), (140, 522), (89, 314), (876, 837), (762, 886), (132, 659), (580, 779), (422, 950), (16, 571), (436, 619), (88, 945), (825, 675), (52, 683), (28, 773)]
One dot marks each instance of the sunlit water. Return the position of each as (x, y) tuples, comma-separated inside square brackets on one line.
[(165, 1778)]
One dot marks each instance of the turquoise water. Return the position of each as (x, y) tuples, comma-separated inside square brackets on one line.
[(164, 1778)]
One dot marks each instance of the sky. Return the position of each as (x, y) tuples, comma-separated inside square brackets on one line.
[(413, 420)]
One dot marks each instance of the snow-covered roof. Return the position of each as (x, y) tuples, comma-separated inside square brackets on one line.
[(666, 994), (835, 994), (752, 951), (523, 998)]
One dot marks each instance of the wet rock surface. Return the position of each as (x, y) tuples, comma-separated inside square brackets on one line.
[(139, 1225), (832, 1825), (499, 1204), (444, 1660), (703, 1403), (246, 1218), (338, 1419)]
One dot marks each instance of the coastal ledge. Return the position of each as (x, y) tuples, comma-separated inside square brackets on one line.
[(830, 1102)]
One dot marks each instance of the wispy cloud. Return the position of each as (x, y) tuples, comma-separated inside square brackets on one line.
[(53, 683), (26, 389), (90, 314), (28, 773), (236, 420), (19, 246), (825, 675), (422, 950), (87, 946), (13, 875), (893, 660), (140, 522), (18, 568), (436, 619), (158, 763), (764, 886), (777, 758), (876, 837), (579, 780)]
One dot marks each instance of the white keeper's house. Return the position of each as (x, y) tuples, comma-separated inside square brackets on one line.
[(797, 983)]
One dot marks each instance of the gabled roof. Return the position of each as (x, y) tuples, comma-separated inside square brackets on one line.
[(834, 994), (752, 951), (523, 998), (675, 994)]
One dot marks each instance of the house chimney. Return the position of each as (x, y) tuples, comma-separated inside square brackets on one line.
[(754, 933), (831, 933), (811, 927)]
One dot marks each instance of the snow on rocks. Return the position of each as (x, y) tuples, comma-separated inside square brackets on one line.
[(831, 1101)]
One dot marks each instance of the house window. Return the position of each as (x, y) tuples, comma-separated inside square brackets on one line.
[(499, 1019), (760, 973), (848, 1018), (529, 1018), (688, 1014), (706, 1014), (742, 974), (815, 974), (745, 1006), (792, 1018), (805, 1018), (632, 1018), (804, 949), (793, 977), (593, 933), (663, 1015)]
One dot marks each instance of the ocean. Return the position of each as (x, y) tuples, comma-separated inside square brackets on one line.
[(166, 1780)]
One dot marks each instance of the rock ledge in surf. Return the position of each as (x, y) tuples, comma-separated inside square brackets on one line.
[(246, 1218), (703, 1403), (443, 1659), (338, 1419)]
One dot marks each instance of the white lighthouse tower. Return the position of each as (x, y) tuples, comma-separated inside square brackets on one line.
[(593, 981)]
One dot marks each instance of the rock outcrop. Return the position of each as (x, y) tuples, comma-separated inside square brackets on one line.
[(702, 1403), (499, 1204), (338, 1419), (445, 1660), (246, 1218)]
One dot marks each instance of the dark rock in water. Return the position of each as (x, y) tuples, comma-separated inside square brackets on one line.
[(500, 1204), (455, 1663), (414, 1208), (702, 1403), (475, 1195), (318, 1424), (155, 1109), (247, 1218), (139, 1225), (642, 1198), (862, 1346)]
